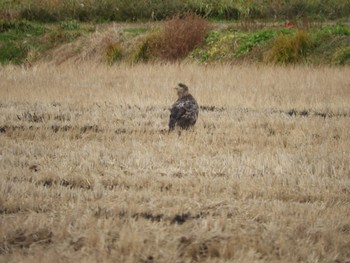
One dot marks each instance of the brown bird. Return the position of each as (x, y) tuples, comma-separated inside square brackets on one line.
[(184, 112)]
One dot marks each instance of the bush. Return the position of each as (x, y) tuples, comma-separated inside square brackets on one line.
[(179, 37), (288, 49)]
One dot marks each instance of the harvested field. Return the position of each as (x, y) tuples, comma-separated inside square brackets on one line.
[(89, 173)]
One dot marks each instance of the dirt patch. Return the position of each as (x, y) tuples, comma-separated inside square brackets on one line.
[(178, 219), (149, 216), (41, 117), (7, 211), (310, 113), (71, 184), (54, 128), (293, 112), (121, 131), (83, 129), (181, 218)]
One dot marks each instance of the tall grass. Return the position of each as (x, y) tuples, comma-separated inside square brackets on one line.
[(288, 49), (131, 10)]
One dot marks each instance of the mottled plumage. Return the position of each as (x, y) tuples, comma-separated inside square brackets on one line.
[(184, 112)]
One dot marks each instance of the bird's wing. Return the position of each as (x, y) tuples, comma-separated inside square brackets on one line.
[(191, 107), (176, 112)]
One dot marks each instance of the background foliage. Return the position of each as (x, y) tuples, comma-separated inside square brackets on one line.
[(131, 10)]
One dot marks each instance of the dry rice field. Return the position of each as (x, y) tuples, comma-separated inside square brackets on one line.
[(88, 172)]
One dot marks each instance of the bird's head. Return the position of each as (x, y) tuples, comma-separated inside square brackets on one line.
[(182, 90)]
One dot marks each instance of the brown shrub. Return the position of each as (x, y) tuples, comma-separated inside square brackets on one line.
[(181, 34)]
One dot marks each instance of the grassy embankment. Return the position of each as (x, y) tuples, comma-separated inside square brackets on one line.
[(30, 41), (32, 30)]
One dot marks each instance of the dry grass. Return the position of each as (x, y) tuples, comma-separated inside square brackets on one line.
[(88, 174)]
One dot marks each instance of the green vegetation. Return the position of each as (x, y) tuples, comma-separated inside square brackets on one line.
[(218, 46), (329, 44), (135, 10), (23, 41), (317, 45), (70, 25), (249, 41), (183, 37), (341, 56), (17, 39)]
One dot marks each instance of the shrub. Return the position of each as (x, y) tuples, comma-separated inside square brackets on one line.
[(289, 48), (179, 37)]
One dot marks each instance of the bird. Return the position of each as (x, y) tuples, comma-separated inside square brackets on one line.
[(184, 112)]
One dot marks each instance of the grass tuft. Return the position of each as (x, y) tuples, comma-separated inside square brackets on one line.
[(141, 53), (288, 49), (114, 53)]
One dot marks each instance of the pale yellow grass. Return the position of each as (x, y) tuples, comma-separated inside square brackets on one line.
[(88, 173)]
